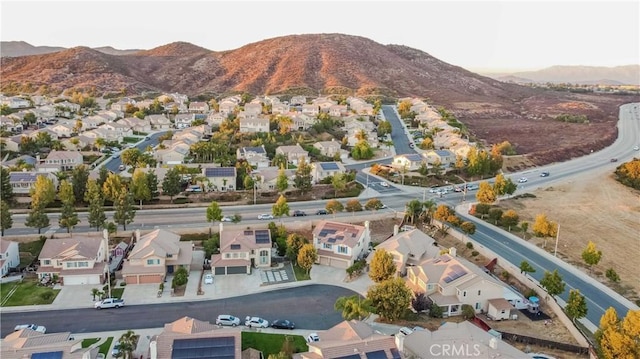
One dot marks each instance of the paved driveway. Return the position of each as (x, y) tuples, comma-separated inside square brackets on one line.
[(282, 274)]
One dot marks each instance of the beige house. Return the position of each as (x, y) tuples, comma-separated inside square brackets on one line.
[(121, 128), (322, 170), (280, 108), (61, 161), (27, 343), (340, 244), (174, 154), (198, 107), (179, 338), (255, 156), (241, 250), (104, 134), (23, 182), (159, 122), (300, 121), (338, 110), (353, 340), (221, 178), (298, 100), (445, 157), (268, 178), (61, 129), (184, 120), (408, 162), (154, 255), (310, 110), (451, 281), (409, 248), (253, 109), (254, 124), (499, 309), (293, 154), (328, 148), (136, 124), (75, 261)]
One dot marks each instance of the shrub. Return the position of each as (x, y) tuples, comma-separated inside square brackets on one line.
[(421, 302), (468, 312), (474, 253), (180, 277), (123, 284), (356, 269), (530, 293), (612, 275), (435, 311), (469, 245)]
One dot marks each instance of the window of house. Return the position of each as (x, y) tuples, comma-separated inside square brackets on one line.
[(326, 245), (477, 306), (478, 291), (343, 249), (151, 262), (169, 255), (253, 251), (227, 255), (464, 294), (235, 255), (46, 262), (71, 264), (83, 264)]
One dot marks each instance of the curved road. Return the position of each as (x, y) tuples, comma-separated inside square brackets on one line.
[(310, 307)]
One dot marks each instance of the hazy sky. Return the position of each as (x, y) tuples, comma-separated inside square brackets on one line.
[(477, 35)]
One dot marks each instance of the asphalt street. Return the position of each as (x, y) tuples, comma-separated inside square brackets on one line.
[(112, 164)]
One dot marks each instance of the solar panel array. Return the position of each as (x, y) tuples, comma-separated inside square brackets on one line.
[(352, 356), (456, 272), (262, 236), (329, 166), (220, 172), (47, 355), (378, 354), (414, 157), (210, 348), (22, 177), (248, 233), (395, 353)]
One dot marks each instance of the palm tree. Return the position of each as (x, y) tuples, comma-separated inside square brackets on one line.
[(428, 209), (353, 307), (94, 292), (414, 208), (128, 342)]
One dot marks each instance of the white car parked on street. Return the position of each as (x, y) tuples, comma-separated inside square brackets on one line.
[(256, 322)]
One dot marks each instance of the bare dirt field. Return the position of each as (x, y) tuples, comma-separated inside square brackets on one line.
[(592, 208)]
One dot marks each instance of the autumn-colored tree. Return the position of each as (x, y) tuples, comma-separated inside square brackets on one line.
[(591, 255), (616, 338), (628, 173), (294, 243), (576, 307), (339, 182), (353, 206), (382, 266), (499, 184), (307, 256), (281, 207), (390, 298), (384, 127), (140, 186), (42, 193), (373, 204), (485, 194), (468, 227), (334, 206), (68, 214), (113, 187), (552, 282), (510, 219)]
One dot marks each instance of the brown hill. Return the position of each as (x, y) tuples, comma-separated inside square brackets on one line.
[(495, 111)]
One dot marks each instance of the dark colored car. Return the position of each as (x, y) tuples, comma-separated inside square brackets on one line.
[(544, 174), (322, 211), (283, 324), (298, 213), (614, 160)]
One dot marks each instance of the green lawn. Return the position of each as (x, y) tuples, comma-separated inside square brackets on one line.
[(117, 292), (271, 343), (27, 293), (29, 251), (300, 273), (89, 342), (130, 139), (104, 347)]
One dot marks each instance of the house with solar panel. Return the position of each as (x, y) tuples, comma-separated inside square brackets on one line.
[(445, 157), (23, 182), (450, 282), (193, 338), (322, 170), (256, 156), (340, 244), (221, 178), (408, 248), (27, 343), (241, 250), (409, 162)]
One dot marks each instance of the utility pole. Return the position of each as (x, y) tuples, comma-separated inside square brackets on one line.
[(105, 237), (555, 252)]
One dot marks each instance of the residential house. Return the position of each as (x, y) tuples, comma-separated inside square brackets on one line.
[(159, 122), (122, 129), (24, 160), (463, 339), (310, 110), (136, 124), (445, 157), (322, 170), (409, 248), (16, 102), (144, 104), (75, 260), (340, 244), (451, 282), (254, 109), (280, 108), (154, 255), (216, 118), (300, 121), (104, 134), (198, 107), (338, 110), (203, 130), (12, 143), (77, 143), (268, 178), (175, 107), (192, 338), (110, 115), (359, 106), (298, 100), (221, 178), (66, 109), (241, 250), (353, 340), (10, 125), (121, 105), (45, 113), (184, 120), (62, 130), (27, 343), (254, 124), (61, 161), (172, 154), (328, 148), (408, 162), (293, 154), (34, 135), (91, 122), (23, 182), (9, 256), (228, 105), (255, 156)]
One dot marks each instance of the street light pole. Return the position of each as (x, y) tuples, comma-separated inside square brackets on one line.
[(555, 252)]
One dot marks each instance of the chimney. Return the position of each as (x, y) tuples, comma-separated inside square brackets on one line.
[(452, 251), (396, 228)]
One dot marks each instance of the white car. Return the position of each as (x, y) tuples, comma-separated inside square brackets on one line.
[(256, 322), (522, 180), (229, 320), (208, 278), (313, 337), (226, 219), (405, 331), (636, 148), (265, 216), (384, 184)]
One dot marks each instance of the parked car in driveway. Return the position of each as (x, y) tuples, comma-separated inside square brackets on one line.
[(115, 352), (37, 328), (283, 324), (313, 337), (265, 216), (109, 303), (256, 322), (298, 213), (208, 278), (226, 319)]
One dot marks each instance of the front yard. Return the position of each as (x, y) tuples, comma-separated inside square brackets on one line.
[(27, 292), (272, 343)]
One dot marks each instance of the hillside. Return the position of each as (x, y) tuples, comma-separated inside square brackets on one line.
[(335, 63), (21, 48), (582, 75)]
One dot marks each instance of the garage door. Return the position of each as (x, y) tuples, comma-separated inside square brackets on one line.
[(150, 278), (219, 271), (237, 270), (325, 261), (81, 279), (339, 263), (132, 279)]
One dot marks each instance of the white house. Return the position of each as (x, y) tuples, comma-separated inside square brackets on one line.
[(340, 244), (9, 256)]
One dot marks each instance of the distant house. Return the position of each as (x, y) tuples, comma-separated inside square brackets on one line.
[(62, 130), (27, 343), (12, 143), (16, 102), (322, 170), (280, 108), (241, 250), (298, 100), (174, 154), (340, 244), (198, 107), (300, 121), (253, 109), (293, 154), (445, 157), (183, 337), (227, 107), (328, 148), (23, 182), (408, 162), (154, 255), (9, 256), (408, 249), (254, 124), (121, 128), (310, 110), (61, 161), (255, 156), (75, 260), (221, 178), (136, 124), (268, 178), (184, 120), (9, 125), (216, 118), (24, 160), (121, 105), (338, 110), (159, 122)]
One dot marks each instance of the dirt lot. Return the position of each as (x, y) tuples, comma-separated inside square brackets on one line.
[(592, 208)]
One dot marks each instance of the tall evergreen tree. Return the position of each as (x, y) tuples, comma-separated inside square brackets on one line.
[(79, 178), (6, 221), (171, 183), (103, 173), (124, 212), (152, 183), (302, 179), (68, 215), (6, 191), (93, 197)]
